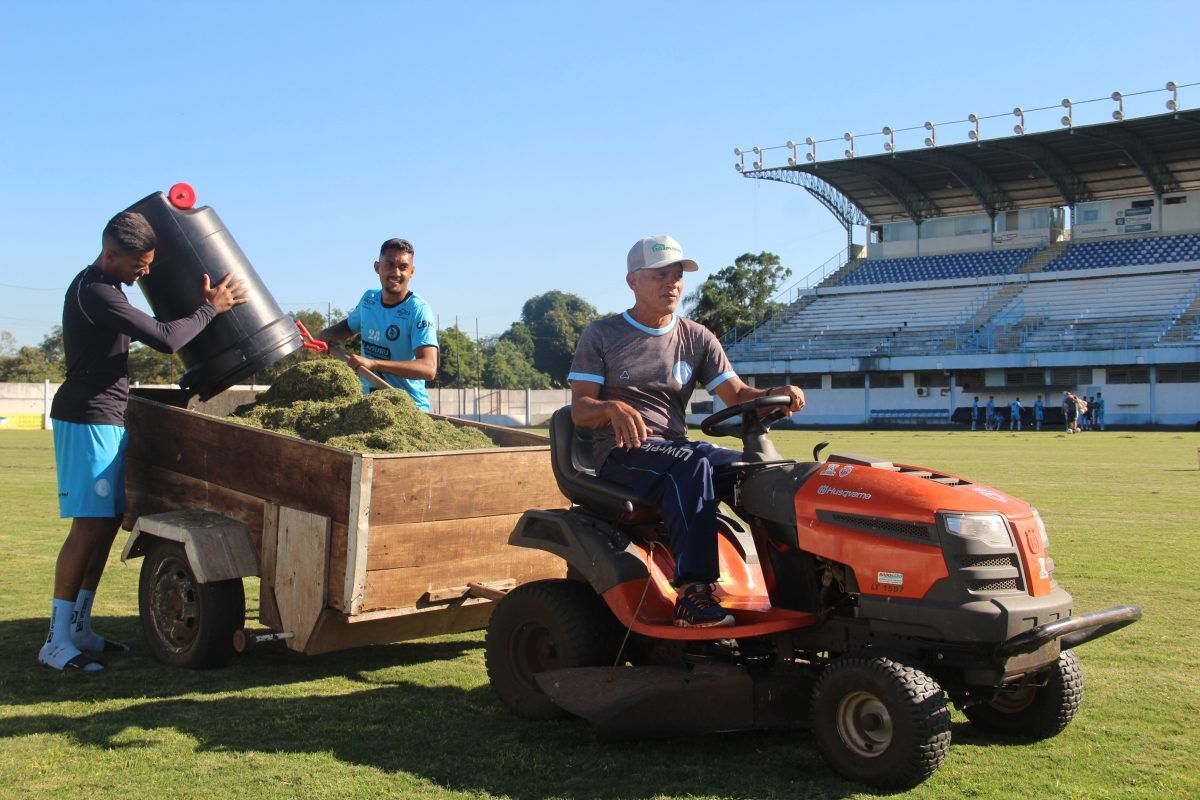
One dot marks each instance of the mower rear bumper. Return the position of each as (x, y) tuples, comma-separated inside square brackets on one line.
[(1072, 631)]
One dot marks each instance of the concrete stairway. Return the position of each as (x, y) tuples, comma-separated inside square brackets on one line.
[(994, 305), (1186, 325), (1044, 257), (833, 278)]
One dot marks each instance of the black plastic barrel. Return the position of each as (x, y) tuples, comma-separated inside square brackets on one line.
[(192, 243)]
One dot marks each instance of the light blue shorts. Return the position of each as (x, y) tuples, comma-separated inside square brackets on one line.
[(91, 469)]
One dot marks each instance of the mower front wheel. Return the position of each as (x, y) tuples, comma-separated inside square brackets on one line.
[(541, 626), (880, 722), (1034, 712)]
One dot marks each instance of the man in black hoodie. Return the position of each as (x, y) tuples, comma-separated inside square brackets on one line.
[(89, 423)]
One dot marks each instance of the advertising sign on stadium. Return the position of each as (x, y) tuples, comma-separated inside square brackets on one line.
[(1027, 238), (1111, 217)]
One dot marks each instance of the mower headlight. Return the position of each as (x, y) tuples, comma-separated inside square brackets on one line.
[(1041, 526), (991, 529)]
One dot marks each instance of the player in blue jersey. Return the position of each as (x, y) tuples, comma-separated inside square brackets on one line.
[(399, 329)]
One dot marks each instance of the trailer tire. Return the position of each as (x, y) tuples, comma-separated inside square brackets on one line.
[(1038, 712), (540, 626), (187, 623), (880, 722)]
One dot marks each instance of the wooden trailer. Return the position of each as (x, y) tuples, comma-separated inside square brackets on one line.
[(351, 548)]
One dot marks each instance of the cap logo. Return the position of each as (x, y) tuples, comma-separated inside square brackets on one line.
[(660, 247)]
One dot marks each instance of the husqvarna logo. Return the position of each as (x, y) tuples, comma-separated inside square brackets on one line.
[(836, 492)]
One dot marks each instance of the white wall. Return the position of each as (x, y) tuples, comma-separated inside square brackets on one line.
[(1173, 403)]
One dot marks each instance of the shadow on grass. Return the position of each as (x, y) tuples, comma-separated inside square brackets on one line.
[(140, 675), (463, 739)]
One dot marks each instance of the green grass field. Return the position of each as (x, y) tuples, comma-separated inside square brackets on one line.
[(417, 719)]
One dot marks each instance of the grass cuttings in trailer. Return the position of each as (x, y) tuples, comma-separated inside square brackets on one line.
[(322, 401)]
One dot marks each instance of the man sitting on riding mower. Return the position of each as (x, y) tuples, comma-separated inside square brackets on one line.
[(631, 380)]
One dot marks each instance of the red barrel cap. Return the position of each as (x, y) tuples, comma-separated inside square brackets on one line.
[(182, 196)]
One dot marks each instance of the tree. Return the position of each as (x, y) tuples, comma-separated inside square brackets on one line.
[(147, 365), (555, 320), (739, 295), (521, 337), (8, 345), (507, 367), (460, 362), (52, 346), (29, 365)]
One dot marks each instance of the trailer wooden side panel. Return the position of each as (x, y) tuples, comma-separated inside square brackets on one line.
[(151, 489), (441, 521), (472, 483), (449, 578), (282, 469)]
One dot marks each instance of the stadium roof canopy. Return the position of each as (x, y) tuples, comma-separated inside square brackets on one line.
[(1147, 155)]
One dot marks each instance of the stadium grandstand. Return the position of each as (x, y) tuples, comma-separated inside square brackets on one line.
[(1016, 267)]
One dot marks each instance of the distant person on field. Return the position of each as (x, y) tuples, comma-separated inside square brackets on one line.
[(399, 329), (1098, 410), (1066, 409), (1071, 405), (990, 419), (1014, 415), (975, 413), (1039, 413), (89, 423)]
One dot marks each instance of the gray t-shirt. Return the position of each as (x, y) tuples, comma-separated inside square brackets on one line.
[(654, 370)]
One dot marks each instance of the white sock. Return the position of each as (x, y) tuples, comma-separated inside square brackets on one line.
[(82, 635), (59, 649)]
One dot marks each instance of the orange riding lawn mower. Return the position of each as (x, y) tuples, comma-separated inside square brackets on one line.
[(868, 595)]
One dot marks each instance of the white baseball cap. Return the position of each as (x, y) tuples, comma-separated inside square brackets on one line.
[(658, 251)]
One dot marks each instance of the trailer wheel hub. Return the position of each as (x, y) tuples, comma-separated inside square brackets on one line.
[(173, 604), (864, 724)]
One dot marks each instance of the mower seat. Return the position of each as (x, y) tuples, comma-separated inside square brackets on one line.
[(575, 472)]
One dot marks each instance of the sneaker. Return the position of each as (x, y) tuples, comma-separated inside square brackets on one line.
[(697, 608)]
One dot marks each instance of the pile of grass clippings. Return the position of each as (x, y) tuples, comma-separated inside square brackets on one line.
[(322, 401)]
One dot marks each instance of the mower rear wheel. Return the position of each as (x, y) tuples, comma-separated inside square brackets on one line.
[(541, 626), (880, 722), (1035, 712)]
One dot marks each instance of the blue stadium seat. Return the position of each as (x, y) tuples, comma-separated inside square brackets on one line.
[(942, 267)]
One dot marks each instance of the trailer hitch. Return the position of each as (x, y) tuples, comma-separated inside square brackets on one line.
[(1073, 631)]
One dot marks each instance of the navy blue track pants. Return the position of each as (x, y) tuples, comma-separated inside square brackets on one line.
[(677, 476)]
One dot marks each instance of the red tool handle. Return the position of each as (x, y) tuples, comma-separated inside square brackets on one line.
[(309, 341)]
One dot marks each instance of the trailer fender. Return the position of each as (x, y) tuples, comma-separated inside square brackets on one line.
[(596, 550), (218, 548)]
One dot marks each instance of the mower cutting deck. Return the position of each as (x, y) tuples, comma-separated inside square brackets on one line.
[(867, 595)]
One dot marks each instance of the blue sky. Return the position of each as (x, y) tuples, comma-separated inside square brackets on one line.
[(522, 147)]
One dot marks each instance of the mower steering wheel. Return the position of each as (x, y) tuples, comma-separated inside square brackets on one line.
[(748, 411)]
